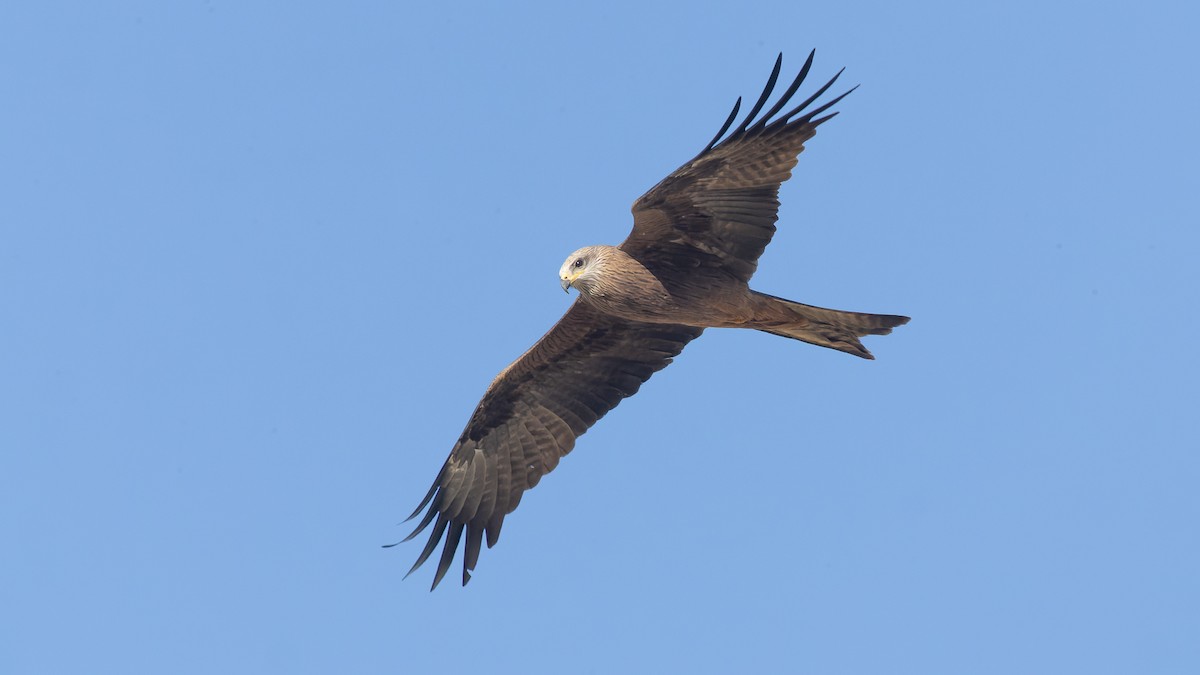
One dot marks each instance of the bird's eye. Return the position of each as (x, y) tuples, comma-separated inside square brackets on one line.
[(578, 263)]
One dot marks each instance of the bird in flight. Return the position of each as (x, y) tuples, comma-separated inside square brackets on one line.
[(686, 266)]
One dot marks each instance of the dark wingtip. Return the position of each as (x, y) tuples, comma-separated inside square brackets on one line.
[(448, 551), (737, 105), (808, 101), (754, 124), (762, 98), (787, 95), (428, 495), (421, 525), (434, 537), (809, 117)]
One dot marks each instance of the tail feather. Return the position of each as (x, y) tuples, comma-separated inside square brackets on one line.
[(830, 328)]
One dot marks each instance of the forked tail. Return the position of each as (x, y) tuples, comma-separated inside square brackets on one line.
[(819, 326)]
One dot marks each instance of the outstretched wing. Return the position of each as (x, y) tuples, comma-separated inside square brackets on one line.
[(718, 211), (530, 417)]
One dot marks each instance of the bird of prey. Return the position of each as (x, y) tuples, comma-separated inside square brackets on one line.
[(696, 240)]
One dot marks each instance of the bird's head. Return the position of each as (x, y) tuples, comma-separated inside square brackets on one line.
[(579, 268)]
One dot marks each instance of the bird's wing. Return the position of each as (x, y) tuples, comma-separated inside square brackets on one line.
[(530, 416), (718, 211)]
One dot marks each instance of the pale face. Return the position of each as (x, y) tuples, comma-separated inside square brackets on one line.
[(576, 264)]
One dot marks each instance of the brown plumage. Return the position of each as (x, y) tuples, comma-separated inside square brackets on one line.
[(696, 240)]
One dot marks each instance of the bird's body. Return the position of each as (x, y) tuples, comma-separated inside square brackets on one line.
[(686, 267), (617, 284)]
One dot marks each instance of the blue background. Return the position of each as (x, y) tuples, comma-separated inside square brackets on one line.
[(259, 261)]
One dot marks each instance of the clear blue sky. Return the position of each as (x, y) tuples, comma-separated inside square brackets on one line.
[(258, 263)]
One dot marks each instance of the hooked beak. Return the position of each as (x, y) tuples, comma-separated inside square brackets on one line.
[(566, 284)]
